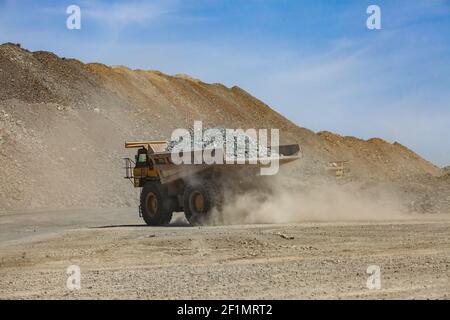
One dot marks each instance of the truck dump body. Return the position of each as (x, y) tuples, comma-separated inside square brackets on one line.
[(169, 171)]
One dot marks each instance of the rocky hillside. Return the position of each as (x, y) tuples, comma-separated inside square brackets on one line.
[(63, 125)]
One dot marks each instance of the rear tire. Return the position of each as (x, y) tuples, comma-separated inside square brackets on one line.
[(155, 205), (200, 198)]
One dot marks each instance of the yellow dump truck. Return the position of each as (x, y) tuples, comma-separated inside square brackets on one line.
[(196, 189)]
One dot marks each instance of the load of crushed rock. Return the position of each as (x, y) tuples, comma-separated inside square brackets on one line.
[(243, 146)]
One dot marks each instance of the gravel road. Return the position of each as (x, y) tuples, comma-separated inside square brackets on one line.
[(120, 258)]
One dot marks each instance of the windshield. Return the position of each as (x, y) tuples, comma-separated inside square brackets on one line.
[(142, 158)]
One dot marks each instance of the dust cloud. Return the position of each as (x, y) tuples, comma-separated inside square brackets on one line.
[(315, 201)]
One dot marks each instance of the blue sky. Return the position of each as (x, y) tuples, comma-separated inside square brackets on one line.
[(313, 61)]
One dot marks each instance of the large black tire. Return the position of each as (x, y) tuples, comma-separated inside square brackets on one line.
[(200, 198), (156, 206)]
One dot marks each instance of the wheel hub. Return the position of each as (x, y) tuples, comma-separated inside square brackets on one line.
[(152, 203), (198, 202)]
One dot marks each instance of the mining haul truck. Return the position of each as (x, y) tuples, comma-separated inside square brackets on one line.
[(196, 189)]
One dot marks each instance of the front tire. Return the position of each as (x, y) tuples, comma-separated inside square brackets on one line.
[(155, 205)]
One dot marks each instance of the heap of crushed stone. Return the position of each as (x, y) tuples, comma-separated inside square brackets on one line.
[(252, 148)]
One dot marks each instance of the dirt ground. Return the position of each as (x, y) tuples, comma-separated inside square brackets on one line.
[(120, 258)]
